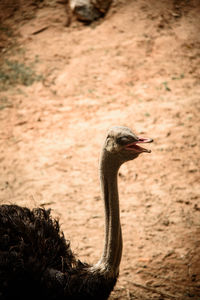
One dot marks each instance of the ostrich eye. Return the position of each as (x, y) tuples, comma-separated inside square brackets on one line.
[(123, 140)]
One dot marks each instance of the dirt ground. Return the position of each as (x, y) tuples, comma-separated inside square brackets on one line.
[(139, 67)]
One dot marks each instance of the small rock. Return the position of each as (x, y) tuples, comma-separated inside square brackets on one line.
[(89, 10), (166, 222), (196, 207)]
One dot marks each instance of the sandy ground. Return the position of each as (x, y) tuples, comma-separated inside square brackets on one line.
[(139, 67)]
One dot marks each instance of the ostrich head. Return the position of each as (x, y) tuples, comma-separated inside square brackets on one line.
[(122, 144)]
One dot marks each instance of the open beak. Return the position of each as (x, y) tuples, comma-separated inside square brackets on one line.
[(134, 146)]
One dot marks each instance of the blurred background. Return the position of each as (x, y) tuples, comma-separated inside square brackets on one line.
[(62, 87)]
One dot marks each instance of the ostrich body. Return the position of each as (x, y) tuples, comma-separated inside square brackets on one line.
[(36, 260)]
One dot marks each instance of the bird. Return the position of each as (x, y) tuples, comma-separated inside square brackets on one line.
[(36, 259)]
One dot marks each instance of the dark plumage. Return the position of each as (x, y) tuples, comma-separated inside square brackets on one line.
[(35, 259)]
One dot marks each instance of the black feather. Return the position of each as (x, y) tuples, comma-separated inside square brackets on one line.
[(36, 260)]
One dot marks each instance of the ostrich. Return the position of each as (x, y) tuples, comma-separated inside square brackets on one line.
[(36, 260)]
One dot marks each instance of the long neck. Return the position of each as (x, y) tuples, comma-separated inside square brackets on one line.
[(112, 252)]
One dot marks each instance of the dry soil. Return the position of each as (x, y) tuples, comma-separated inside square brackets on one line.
[(139, 67)]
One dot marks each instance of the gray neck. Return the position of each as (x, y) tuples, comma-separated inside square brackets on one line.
[(112, 252)]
